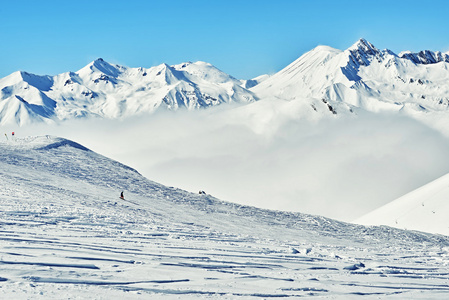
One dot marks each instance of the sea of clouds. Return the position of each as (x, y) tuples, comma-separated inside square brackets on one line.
[(340, 167)]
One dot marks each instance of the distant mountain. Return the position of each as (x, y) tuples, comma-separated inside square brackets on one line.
[(325, 80), (113, 91), (365, 77), (424, 209)]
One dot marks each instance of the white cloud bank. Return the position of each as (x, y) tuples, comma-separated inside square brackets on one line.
[(336, 168)]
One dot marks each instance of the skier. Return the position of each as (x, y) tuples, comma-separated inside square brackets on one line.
[(121, 196)]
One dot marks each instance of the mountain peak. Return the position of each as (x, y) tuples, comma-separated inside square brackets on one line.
[(101, 66), (42, 83), (105, 67), (325, 48), (364, 46), (362, 52)]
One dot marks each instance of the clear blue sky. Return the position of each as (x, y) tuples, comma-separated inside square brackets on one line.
[(242, 38)]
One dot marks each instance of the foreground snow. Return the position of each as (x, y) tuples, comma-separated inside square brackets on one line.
[(65, 233)]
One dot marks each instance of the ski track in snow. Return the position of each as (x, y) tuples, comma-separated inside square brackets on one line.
[(65, 233)]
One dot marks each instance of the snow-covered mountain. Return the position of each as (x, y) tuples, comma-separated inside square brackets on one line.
[(365, 77), (65, 233), (425, 209), (325, 80), (113, 91)]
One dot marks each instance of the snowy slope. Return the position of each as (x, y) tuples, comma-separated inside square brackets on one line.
[(424, 209), (66, 234), (112, 91)]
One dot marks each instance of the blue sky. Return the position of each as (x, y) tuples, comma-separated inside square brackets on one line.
[(242, 38)]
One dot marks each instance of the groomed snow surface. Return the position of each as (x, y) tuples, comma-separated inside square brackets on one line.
[(65, 234)]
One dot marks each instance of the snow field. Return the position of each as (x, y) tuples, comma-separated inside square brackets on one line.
[(66, 234)]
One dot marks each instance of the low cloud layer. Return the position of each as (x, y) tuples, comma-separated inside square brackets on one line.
[(336, 168)]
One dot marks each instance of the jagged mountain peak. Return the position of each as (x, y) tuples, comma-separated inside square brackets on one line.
[(365, 46), (102, 66), (362, 52)]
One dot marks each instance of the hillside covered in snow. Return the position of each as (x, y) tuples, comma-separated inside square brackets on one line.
[(66, 233), (423, 209)]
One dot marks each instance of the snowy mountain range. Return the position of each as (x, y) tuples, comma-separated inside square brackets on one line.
[(66, 233), (327, 80), (112, 91)]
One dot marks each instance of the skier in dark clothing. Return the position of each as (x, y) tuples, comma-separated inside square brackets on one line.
[(121, 195)]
